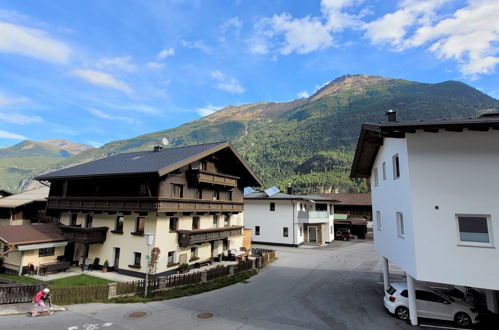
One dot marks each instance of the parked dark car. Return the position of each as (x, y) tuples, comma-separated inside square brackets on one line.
[(343, 234)]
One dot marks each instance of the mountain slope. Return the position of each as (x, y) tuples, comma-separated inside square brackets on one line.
[(53, 148), (309, 142)]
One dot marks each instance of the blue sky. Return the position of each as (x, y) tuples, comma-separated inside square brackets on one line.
[(97, 71)]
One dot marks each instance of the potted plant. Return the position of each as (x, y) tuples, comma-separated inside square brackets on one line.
[(184, 268), (105, 266)]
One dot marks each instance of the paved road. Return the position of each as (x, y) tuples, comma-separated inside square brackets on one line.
[(338, 287)]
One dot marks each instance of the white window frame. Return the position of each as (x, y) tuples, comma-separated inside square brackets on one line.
[(476, 244), (400, 224), (376, 178), (378, 220)]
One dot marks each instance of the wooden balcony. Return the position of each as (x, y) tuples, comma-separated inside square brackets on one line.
[(190, 237), (142, 204), (200, 176), (84, 235)]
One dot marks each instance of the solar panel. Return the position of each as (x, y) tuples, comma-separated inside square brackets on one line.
[(248, 190), (272, 191)]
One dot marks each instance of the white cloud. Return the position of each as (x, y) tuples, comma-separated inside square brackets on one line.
[(227, 84), (196, 45), (13, 136), (166, 52), (32, 43), (234, 22), (4, 100), (303, 95), (155, 65), (122, 63), (14, 118), (207, 110), (101, 79), (101, 114)]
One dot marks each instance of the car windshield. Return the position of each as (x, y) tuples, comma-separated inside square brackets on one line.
[(445, 296)]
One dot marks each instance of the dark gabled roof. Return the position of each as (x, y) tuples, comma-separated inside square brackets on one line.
[(146, 163), (372, 135), (350, 199), (30, 234), (258, 195)]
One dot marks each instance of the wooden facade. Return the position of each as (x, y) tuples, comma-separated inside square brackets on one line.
[(190, 237)]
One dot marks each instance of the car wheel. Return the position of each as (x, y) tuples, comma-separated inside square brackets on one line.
[(402, 313), (344, 238), (462, 319)]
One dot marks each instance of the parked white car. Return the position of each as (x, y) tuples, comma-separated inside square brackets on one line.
[(430, 304)]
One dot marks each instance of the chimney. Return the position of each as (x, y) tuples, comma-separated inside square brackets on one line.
[(391, 116), (289, 191), (157, 148)]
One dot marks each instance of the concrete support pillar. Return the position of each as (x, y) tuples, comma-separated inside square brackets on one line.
[(386, 274), (112, 290), (411, 290), (231, 270), (204, 277)]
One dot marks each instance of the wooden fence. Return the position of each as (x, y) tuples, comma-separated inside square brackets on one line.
[(79, 294), (19, 292), (217, 272), (137, 286), (182, 279)]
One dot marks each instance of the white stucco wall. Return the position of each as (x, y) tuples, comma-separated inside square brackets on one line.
[(459, 173), (389, 197)]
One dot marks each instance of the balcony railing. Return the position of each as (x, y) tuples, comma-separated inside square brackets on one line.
[(200, 176), (142, 204), (190, 237), (84, 235), (313, 216)]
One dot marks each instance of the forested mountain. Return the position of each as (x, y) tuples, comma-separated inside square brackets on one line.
[(53, 148), (309, 142)]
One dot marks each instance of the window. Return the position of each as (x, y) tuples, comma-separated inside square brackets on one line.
[(257, 230), (320, 207), (272, 206), (216, 195), (215, 221), (136, 259), (400, 225), (378, 220), (73, 220), (173, 224), (139, 225), (475, 230), (228, 195), (285, 231), (194, 253), (88, 220), (195, 222), (226, 220), (375, 174), (177, 190), (118, 226), (396, 167), (198, 193), (301, 231), (202, 165), (46, 252), (172, 258), (384, 171)]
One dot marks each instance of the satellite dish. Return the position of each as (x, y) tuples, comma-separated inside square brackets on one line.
[(248, 190), (272, 191), (165, 141)]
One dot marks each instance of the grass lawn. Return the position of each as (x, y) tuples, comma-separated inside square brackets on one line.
[(17, 278), (188, 290), (78, 280)]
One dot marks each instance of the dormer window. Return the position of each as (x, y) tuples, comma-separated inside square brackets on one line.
[(203, 165), (177, 190)]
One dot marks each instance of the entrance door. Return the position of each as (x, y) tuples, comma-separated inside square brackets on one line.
[(312, 234), (116, 259), (69, 252)]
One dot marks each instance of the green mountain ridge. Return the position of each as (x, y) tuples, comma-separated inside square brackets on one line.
[(308, 142)]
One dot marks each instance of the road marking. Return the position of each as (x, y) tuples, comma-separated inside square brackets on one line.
[(90, 326), (73, 327), (107, 324)]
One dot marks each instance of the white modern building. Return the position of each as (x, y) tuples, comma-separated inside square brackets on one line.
[(290, 220), (434, 196)]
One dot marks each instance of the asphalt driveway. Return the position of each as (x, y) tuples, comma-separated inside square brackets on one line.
[(337, 287)]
